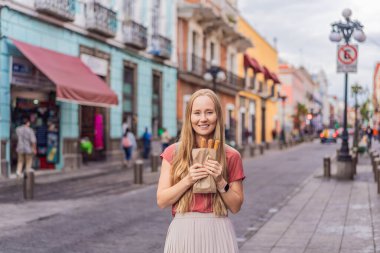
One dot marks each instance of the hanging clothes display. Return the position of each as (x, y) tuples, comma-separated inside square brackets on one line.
[(99, 132)]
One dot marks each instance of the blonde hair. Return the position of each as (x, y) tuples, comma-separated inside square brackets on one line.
[(182, 158)]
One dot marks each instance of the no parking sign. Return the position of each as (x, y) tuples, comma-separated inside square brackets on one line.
[(347, 58)]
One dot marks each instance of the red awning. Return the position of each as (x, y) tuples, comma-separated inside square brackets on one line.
[(74, 81), (252, 63), (275, 78), (267, 74)]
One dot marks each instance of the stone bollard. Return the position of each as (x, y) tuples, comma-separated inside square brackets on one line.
[(267, 146), (327, 166), (138, 171), (252, 150), (354, 163), (241, 150), (154, 162), (261, 147), (28, 185), (373, 158), (378, 180), (337, 152), (376, 164)]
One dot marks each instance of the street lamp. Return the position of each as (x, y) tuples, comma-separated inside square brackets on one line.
[(214, 74), (345, 30), (356, 89)]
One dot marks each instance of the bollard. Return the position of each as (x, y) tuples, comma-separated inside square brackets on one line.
[(138, 172), (28, 185), (337, 152), (267, 146), (241, 150), (327, 166), (261, 147), (373, 158), (354, 162), (376, 164), (378, 180), (154, 161), (252, 150)]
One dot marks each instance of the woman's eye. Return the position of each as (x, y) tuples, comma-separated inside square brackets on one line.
[(196, 113), (210, 113)]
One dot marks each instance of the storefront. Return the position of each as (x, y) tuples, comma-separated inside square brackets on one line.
[(40, 78), (33, 97)]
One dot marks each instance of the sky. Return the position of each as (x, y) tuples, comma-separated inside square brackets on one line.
[(302, 28)]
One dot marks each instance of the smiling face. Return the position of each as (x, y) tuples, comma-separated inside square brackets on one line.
[(203, 117)]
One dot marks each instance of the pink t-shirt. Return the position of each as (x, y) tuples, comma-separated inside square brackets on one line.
[(203, 202)]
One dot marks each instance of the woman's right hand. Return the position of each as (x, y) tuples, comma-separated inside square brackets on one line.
[(196, 172)]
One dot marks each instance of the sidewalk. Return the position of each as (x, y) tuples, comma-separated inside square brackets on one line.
[(325, 215)]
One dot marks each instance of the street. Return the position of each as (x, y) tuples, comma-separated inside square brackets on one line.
[(118, 220)]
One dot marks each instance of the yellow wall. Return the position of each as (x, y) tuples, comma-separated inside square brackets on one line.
[(267, 56)]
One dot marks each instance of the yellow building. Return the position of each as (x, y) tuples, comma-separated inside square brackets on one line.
[(258, 102)]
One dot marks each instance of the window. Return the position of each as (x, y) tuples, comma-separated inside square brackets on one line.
[(156, 16), (128, 97), (156, 103), (129, 8), (212, 51)]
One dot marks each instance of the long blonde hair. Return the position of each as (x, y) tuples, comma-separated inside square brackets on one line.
[(182, 159)]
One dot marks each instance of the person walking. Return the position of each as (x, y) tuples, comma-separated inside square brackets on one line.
[(147, 139), (165, 139), (129, 144), (26, 147), (369, 134), (201, 223)]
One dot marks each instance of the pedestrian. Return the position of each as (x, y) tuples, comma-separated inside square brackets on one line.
[(26, 147), (165, 139), (369, 134), (129, 144), (147, 139), (200, 222)]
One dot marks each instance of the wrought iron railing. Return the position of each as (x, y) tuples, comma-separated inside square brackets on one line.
[(198, 66), (161, 46), (135, 34), (62, 9), (100, 19)]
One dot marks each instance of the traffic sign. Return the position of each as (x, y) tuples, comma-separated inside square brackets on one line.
[(347, 58)]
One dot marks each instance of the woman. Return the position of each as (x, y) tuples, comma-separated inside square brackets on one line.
[(129, 144), (200, 223)]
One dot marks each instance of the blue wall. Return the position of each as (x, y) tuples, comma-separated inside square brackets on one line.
[(33, 31)]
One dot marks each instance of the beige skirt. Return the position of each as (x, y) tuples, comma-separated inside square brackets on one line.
[(200, 233)]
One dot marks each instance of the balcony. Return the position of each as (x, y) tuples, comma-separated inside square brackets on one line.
[(161, 46), (198, 66), (61, 9), (101, 20), (134, 34)]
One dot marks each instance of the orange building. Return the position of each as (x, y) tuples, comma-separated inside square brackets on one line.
[(207, 33)]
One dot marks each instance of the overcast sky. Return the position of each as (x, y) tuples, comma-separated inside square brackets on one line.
[(302, 28)]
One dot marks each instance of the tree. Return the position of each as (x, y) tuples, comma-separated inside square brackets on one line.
[(301, 112), (364, 111)]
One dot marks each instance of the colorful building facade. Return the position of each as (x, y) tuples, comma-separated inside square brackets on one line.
[(208, 37), (128, 51), (258, 102)]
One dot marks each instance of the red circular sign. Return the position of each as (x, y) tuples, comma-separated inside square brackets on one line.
[(347, 54)]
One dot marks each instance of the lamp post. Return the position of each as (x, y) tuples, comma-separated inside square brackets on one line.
[(345, 30), (214, 74), (356, 89)]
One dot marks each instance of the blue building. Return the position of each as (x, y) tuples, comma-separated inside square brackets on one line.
[(79, 70)]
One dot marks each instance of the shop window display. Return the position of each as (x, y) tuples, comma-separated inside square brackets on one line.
[(44, 118)]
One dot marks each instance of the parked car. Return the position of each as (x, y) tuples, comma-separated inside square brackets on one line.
[(328, 135)]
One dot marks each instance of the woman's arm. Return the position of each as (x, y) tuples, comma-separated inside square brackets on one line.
[(168, 194), (234, 197)]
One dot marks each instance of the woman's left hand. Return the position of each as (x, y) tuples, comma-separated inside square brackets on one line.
[(214, 169)]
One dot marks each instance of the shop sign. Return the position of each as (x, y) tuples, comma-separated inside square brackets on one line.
[(24, 73), (97, 65)]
